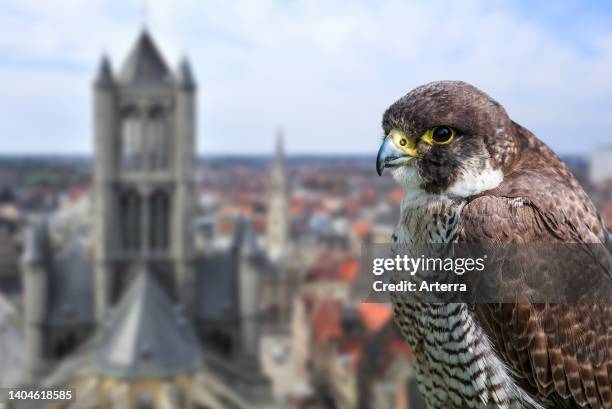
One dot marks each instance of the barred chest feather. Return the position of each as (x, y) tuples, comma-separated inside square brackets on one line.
[(455, 362)]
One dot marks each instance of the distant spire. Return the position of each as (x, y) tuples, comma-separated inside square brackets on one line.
[(278, 218), (185, 75), (280, 145), (105, 72), (278, 168)]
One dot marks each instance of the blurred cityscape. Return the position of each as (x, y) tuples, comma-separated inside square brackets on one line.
[(144, 277)]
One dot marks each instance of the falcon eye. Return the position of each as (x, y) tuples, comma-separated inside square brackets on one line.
[(403, 142), (442, 135)]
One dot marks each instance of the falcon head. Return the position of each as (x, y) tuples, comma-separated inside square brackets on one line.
[(446, 137)]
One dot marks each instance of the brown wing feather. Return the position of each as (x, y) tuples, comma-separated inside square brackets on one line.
[(559, 353)]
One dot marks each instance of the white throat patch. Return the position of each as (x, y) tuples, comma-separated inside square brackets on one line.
[(407, 177), (471, 182)]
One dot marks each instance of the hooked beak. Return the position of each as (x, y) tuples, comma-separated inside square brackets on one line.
[(390, 156)]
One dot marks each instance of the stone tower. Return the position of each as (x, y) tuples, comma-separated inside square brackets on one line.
[(145, 143), (278, 205), (36, 259), (250, 259)]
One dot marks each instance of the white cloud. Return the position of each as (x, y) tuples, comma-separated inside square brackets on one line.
[(323, 70)]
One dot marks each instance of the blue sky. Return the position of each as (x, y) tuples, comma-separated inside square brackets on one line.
[(322, 70)]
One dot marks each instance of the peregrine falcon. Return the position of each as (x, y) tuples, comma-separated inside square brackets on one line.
[(472, 175)]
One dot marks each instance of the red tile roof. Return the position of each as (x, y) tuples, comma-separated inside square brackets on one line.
[(374, 316), (348, 269), (362, 228), (326, 321), (400, 347), (322, 269)]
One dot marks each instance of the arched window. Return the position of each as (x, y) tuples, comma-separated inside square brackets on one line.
[(131, 140), (159, 220), (130, 216), (157, 138)]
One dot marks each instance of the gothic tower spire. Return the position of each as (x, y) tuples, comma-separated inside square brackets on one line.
[(278, 205)]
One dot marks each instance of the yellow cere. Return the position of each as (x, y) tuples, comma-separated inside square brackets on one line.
[(403, 143)]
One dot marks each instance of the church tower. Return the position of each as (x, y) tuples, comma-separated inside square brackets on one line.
[(144, 187), (278, 205)]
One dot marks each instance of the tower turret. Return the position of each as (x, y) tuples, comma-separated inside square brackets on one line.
[(36, 259), (185, 159), (250, 257), (105, 145), (104, 78), (185, 75)]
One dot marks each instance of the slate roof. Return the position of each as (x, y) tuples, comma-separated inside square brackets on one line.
[(145, 64), (71, 285), (70, 275), (217, 284), (217, 273), (146, 336)]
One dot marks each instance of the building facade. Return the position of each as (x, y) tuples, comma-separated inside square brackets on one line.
[(144, 174)]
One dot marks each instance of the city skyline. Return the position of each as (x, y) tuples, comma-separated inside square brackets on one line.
[(323, 72)]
